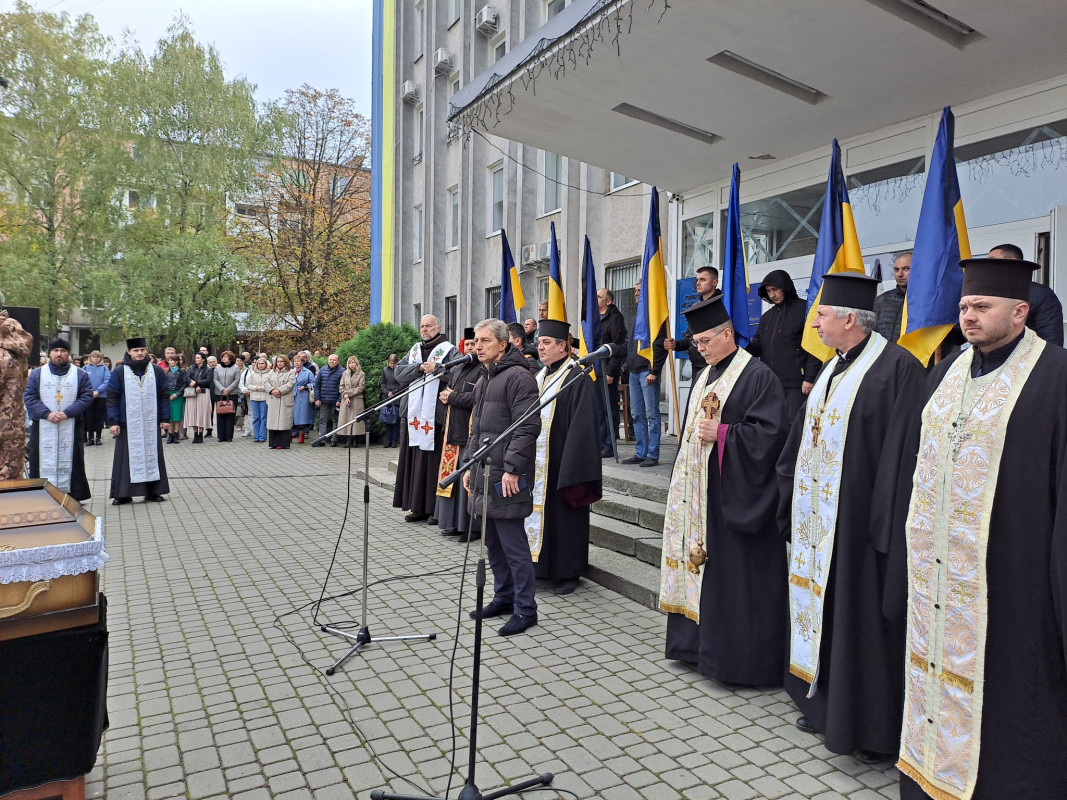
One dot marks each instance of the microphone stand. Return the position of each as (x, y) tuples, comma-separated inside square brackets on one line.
[(470, 790), (363, 636)]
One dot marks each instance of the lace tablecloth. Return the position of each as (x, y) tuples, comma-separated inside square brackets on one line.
[(54, 560)]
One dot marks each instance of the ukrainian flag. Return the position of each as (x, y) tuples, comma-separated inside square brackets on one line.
[(931, 306), (589, 334), (735, 286), (652, 310), (557, 306), (838, 249), (511, 297)]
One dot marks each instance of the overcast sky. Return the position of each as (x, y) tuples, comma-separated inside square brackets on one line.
[(273, 44)]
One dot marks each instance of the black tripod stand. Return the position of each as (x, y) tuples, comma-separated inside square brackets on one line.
[(363, 637), (470, 790)]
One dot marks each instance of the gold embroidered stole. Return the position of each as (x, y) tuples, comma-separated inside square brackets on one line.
[(685, 518), (953, 490), (816, 493), (449, 459), (535, 523)]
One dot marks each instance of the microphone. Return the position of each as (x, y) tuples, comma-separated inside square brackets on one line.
[(462, 361), (604, 351)]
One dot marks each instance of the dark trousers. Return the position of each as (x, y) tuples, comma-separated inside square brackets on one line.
[(610, 428), (328, 420), (794, 401), (96, 417), (513, 569), (392, 433), (225, 424)]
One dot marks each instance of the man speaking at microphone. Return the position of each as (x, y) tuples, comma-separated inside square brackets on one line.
[(567, 478), (505, 390)]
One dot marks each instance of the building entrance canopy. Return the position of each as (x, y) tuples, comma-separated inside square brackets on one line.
[(673, 93)]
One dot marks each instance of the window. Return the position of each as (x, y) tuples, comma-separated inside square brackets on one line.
[(621, 280), (420, 29), (553, 7), (453, 218), (418, 233), (496, 198), (492, 302), (453, 85), (498, 46), (133, 198), (247, 210), (698, 243), (420, 130), (457, 11), (340, 186), (550, 186), (542, 290), (618, 180), (450, 318)]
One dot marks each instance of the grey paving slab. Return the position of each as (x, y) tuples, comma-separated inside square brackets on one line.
[(216, 684)]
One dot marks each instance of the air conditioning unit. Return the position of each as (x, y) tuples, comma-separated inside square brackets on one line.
[(409, 92), (533, 255), (442, 61), (485, 20)]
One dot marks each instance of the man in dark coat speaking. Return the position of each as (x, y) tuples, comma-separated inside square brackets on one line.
[(728, 615), (138, 405), (568, 473), (842, 629)]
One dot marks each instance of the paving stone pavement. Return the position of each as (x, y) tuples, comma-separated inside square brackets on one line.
[(210, 695)]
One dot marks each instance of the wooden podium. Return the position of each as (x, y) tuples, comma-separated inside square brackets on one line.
[(57, 790)]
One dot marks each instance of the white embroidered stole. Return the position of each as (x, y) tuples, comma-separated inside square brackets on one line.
[(954, 486), (816, 493), (142, 426), (685, 517), (422, 403), (56, 439), (535, 523)]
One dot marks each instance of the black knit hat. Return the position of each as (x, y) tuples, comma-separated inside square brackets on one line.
[(59, 344)]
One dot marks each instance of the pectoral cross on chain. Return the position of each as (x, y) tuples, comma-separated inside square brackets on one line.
[(59, 396), (816, 428)]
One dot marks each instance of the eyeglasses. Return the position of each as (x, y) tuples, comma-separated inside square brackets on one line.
[(704, 341)]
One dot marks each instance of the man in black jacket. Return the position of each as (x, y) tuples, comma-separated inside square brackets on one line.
[(1046, 311), (707, 286), (505, 390), (612, 331), (777, 340), (644, 392)]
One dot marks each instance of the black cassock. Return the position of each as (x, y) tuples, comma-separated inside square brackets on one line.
[(860, 693), (1024, 711), (574, 481), (741, 637)]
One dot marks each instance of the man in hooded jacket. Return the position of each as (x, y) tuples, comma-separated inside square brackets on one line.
[(777, 340)]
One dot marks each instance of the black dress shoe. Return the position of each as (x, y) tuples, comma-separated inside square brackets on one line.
[(121, 501), (650, 462), (517, 624), (565, 586), (805, 725), (431, 521), (415, 517), (494, 609), (318, 444), (607, 454), (871, 758), (450, 532), (473, 536), (632, 460), (155, 498)]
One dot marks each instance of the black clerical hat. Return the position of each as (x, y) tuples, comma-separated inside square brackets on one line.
[(557, 329), (849, 290), (706, 314), (998, 277), (468, 333), (59, 344), (132, 344)]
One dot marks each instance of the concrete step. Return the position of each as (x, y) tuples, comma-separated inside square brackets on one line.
[(624, 574), (629, 540), (647, 514), (636, 481)]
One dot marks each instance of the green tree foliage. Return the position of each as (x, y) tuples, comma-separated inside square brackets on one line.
[(62, 156), (372, 347)]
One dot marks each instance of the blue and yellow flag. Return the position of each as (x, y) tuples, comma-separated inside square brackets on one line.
[(589, 334), (511, 297), (652, 309), (735, 286), (557, 306), (931, 306), (838, 249)]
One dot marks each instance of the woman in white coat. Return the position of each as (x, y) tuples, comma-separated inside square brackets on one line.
[(280, 383)]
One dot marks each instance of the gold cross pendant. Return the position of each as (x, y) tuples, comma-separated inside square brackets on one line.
[(59, 396), (816, 429)]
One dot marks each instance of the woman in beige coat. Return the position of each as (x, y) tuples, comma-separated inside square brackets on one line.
[(256, 386), (353, 381), (280, 383)]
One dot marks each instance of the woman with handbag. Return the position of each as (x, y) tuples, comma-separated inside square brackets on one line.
[(177, 386), (198, 406), (256, 385), (280, 384), (304, 383), (353, 382), (227, 378), (389, 416)]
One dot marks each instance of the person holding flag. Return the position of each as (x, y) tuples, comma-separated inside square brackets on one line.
[(645, 354)]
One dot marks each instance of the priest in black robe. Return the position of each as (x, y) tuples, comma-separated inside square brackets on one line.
[(729, 618), (138, 406), (1023, 720), (568, 480), (857, 699)]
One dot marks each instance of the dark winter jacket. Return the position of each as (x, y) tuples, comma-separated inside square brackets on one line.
[(1046, 313), (203, 376), (177, 381), (613, 331), (500, 398), (327, 383), (686, 343), (777, 339), (635, 362)]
